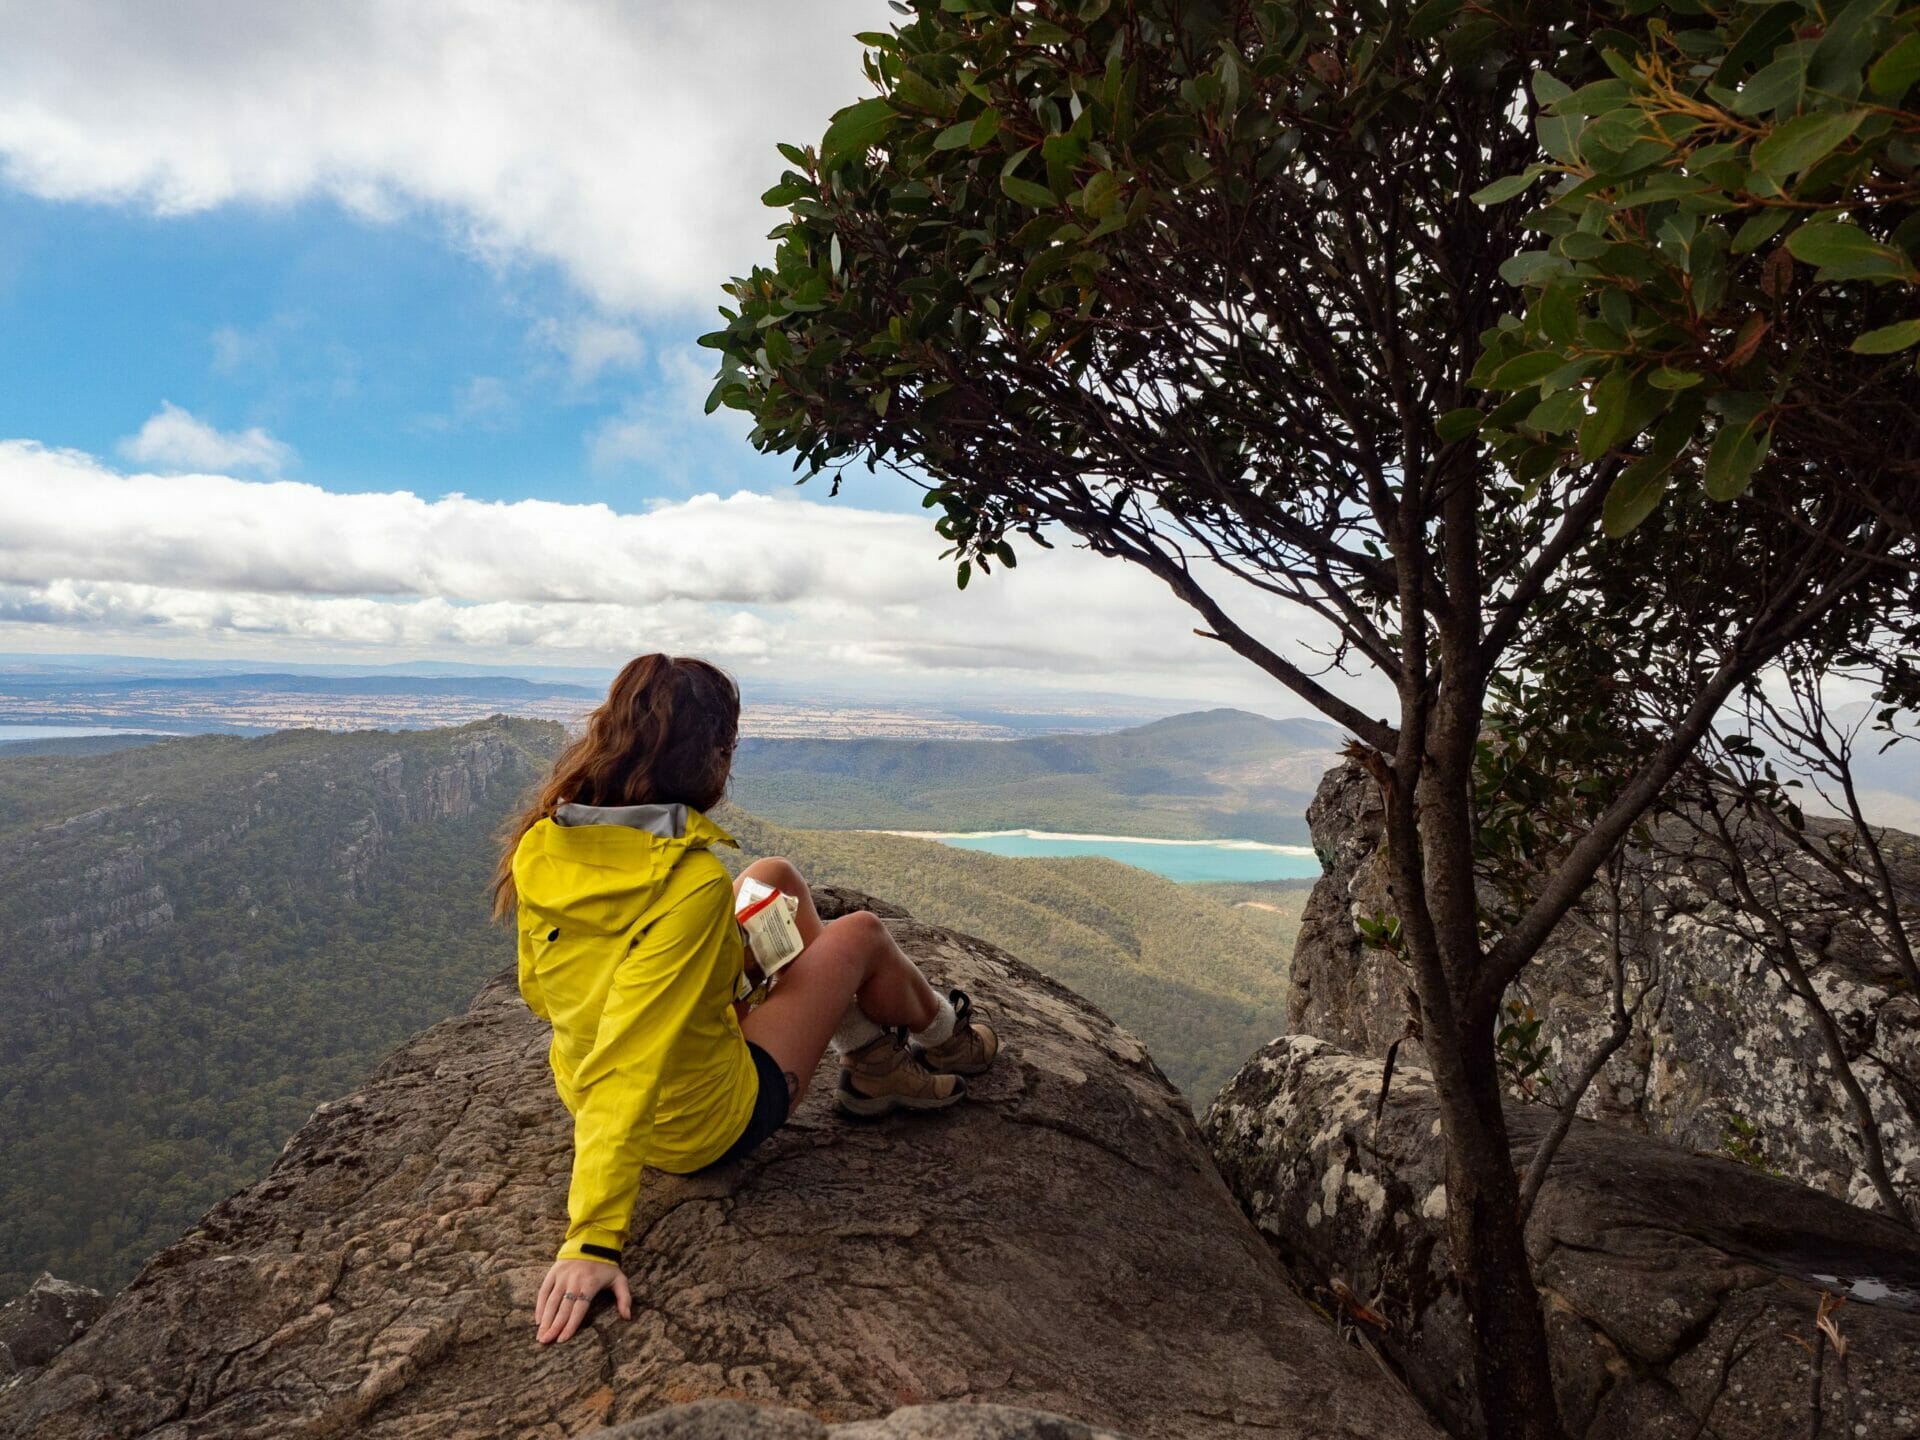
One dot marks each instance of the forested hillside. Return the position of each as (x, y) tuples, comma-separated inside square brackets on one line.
[(1214, 774), (205, 938), (208, 936)]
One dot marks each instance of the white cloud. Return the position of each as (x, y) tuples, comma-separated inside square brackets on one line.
[(591, 346), (665, 420), (175, 439), (626, 143), (785, 587)]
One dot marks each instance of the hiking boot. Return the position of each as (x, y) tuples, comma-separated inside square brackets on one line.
[(886, 1074), (971, 1047)]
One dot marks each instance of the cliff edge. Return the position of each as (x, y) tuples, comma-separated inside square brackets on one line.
[(1062, 1242)]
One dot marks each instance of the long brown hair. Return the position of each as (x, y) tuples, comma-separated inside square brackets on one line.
[(664, 735)]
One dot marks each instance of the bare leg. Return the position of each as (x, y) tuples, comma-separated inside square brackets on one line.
[(851, 958)]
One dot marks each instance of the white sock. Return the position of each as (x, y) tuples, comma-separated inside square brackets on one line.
[(855, 1030), (939, 1030)]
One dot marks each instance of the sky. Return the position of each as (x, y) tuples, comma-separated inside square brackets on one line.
[(364, 332)]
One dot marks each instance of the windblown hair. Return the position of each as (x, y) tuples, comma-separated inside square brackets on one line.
[(664, 735)]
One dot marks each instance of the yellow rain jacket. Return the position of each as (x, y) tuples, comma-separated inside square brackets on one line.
[(628, 947)]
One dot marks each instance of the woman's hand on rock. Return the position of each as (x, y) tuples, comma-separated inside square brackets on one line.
[(567, 1294)]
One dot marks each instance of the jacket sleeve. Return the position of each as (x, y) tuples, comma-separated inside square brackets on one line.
[(654, 991)]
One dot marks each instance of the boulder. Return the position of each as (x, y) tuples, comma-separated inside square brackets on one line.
[(1681, 1290), (37, 1325), (1061, 1242), (1722, 1056)]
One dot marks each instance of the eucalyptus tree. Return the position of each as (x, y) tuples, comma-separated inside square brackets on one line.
[(1205, 285)]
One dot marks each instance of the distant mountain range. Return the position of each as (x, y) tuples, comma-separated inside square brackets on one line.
[(1208, 775)]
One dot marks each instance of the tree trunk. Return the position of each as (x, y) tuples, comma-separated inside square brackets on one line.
[(1489, 1246)]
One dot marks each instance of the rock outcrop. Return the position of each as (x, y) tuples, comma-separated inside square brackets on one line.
[(1699, 1068), (1681, 1290), (39, 1324), (1061, 1242)]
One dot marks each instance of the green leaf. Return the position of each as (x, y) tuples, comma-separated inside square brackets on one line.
[(1507, 186), (1595, 99), (1757, 229), (1547, 90), (1458, 424), (1731, 460), (1524, 370), (854, 129), (1100, 194), (1831, 242), (1560, 137), (1776, 87), (955, 137), (986, 125), (1893, 73), (1026, 192), (1530, 266), (1668, 378), (1558, 414), (963, 574), (1634, 495), (1558, 313), (1888, 339), (1794, 146), (1603, 427)]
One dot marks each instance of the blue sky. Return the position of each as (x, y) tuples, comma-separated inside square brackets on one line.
[(384, 353), (364, 333)]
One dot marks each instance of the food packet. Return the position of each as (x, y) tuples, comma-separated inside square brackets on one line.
[(766, 918)]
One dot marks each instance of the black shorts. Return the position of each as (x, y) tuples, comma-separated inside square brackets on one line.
[(769, 1107)]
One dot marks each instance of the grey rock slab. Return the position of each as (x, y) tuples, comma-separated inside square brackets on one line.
[(1061, 1242), (1721, 1045), (1680, 1289)]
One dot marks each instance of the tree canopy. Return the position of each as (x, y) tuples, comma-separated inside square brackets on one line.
[(1549, 354)]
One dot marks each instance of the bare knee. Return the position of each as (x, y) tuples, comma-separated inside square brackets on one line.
[(779, 872), (863, 928)]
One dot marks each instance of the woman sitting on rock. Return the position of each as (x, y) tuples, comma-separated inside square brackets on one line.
[(629, 948)]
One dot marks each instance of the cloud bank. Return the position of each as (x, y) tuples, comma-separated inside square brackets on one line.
[(627, 144), (175, 439), (784, 587)]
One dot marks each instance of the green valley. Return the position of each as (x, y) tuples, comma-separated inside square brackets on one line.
[(208, 936)]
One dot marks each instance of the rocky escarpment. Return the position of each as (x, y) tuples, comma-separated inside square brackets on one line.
[(1061, 1242), (101, 877), (1682, 1291), (1700, 1068)]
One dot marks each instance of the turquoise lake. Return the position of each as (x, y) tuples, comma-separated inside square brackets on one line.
[(1187, 861)]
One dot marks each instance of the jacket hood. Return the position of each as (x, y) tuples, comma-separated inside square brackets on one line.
[(599, 865)]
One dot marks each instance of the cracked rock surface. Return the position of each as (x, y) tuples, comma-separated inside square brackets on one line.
[(731, 1420), (1060, 1242), (1681, 1289), (1720, 1047)]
